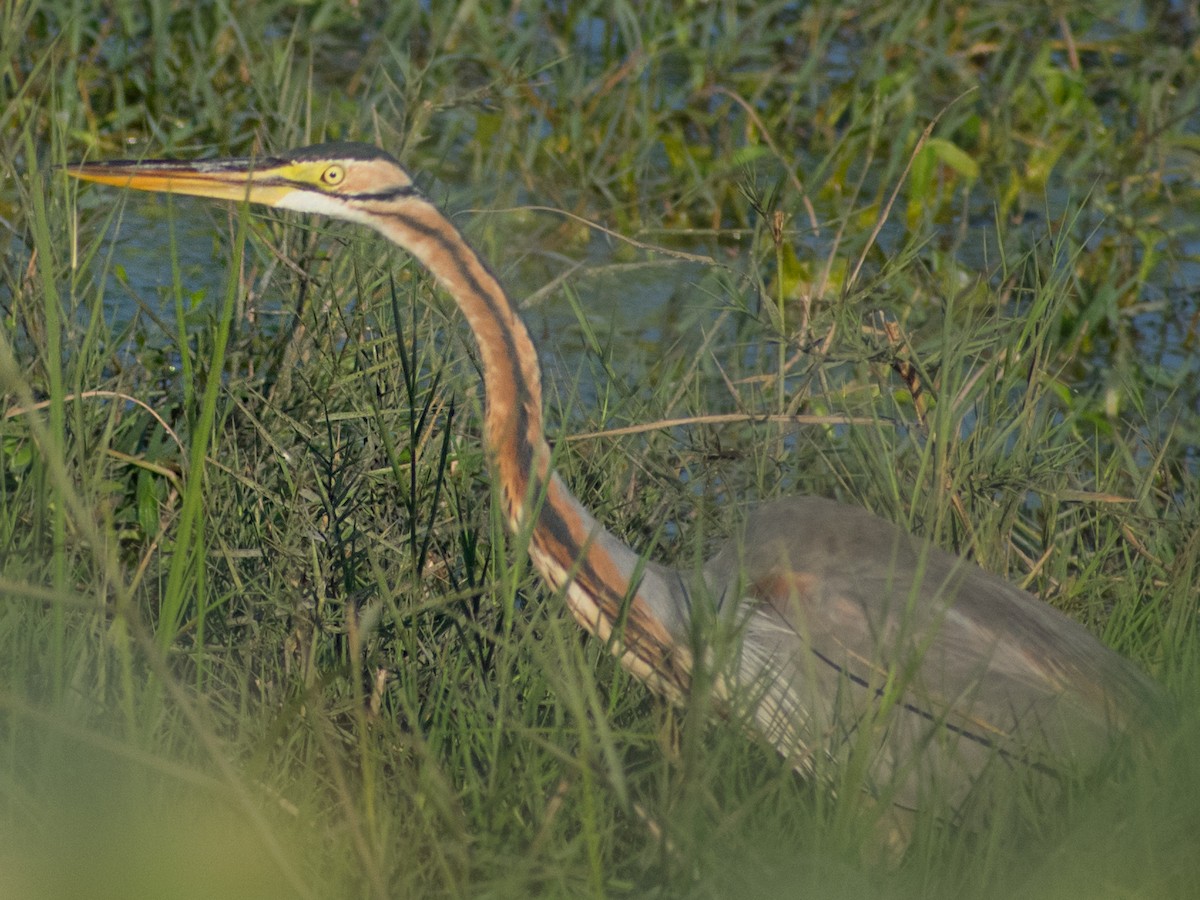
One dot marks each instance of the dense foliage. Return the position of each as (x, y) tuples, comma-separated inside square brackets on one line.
[(261, 632)]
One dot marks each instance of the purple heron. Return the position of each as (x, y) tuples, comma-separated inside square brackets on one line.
[(849, 635)]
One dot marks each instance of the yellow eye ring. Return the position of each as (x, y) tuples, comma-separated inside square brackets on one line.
[(333, 175)]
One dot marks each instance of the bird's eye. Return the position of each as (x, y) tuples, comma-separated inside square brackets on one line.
[(333, 176)]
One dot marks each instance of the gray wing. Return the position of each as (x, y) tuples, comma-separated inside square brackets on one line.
[(858, 638)]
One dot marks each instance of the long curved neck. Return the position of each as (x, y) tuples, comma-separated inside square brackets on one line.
[(572, 551)]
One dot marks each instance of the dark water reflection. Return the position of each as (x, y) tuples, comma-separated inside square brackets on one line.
[(641, 309)]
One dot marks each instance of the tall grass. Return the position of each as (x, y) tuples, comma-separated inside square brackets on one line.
[(262, 632)]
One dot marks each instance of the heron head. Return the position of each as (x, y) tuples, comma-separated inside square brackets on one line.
[(344, 180)]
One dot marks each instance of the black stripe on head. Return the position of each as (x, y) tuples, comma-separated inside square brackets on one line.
[(237, 165), (340, 150), (333, 150)]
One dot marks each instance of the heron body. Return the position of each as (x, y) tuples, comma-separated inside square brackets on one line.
[(848, 634)]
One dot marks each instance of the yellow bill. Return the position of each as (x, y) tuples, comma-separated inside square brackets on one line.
[(243, 180)]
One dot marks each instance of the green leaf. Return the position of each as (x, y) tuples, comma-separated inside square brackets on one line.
[(954, 157)]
